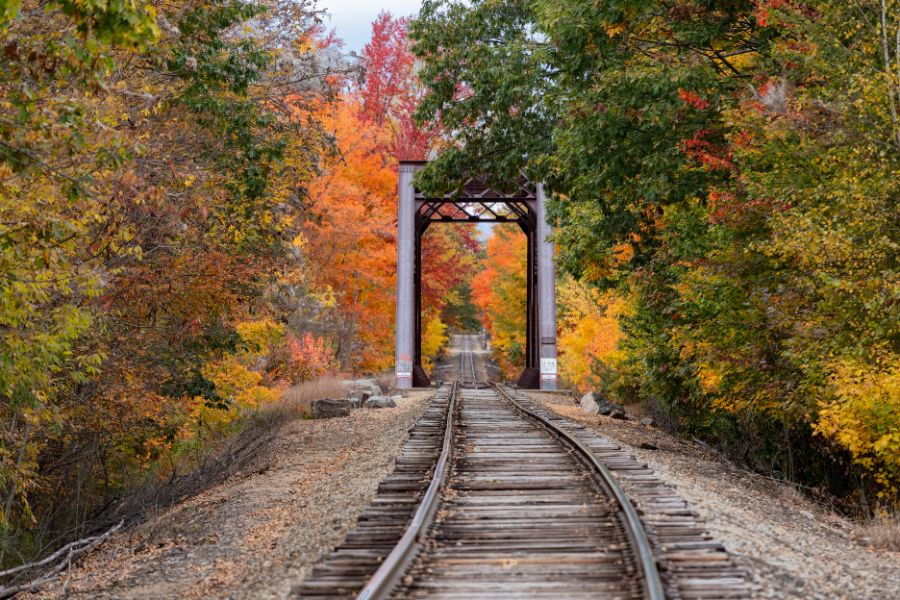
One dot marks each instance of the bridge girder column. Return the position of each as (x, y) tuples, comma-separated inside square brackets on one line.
[(405, 352), (546, 284), (420, 377), (531, 374)]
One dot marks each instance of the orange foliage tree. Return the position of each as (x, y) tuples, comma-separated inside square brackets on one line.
[(499, 293), (350, 241), (349, 237)]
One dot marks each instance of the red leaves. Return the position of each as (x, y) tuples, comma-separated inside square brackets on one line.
[(391, 92), (307, 358), (743, 139), (712, 156), (693, 99), (764, 10), (448, 258), (389, 64), (720, 204), (726, 207)]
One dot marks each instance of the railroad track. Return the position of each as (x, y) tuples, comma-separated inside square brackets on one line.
[(516, 505), (468, 376)]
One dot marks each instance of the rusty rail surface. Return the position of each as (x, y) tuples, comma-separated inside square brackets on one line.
[(652, 582), (396, 563)]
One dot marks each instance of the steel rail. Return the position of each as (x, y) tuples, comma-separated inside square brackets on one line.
[(467, 353), (651, 581), (395, 565), (464, 353), (472, 362)]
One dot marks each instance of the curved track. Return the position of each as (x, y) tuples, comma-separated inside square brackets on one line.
[(527, 512), (515, 503)]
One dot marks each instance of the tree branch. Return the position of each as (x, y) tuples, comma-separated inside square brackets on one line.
[(70, 551)]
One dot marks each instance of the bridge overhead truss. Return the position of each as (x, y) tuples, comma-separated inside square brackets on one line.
[(475, 202)]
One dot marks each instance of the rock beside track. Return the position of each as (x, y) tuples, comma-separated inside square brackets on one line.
[(331, 408), (593, 403), (589, 404), (382, 402)]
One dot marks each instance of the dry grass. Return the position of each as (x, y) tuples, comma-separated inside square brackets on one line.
[(882, 532), (245, 451), (387, 381), (297, 400)]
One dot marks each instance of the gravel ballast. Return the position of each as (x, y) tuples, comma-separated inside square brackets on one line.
[(791, 547), (256, 535)]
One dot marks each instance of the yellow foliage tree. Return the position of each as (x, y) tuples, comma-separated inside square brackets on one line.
[(589, 331), (434, 340), (864, 417), (238, 379)]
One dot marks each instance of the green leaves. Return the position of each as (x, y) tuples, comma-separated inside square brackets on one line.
[(744, 155), (487, 72), (129, 23), (119, 22)]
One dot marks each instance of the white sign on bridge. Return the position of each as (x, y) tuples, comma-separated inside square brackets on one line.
[(548, 369)]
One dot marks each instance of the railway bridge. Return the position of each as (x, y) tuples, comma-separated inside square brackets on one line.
[(522, 202)]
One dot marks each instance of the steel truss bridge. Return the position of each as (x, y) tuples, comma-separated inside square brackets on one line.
[(475, 202)]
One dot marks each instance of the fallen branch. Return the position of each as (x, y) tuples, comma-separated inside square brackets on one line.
[(69, 551)]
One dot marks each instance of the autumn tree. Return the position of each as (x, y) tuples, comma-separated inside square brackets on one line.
[(350, 233), (499, 292), (153, 161), (589, 324), (350, 238), (729, 169), (391, 91)]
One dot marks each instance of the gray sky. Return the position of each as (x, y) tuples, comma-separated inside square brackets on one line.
[(353, 18)]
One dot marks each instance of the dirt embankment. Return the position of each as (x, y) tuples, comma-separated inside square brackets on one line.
[(257, 534), (792, 547)]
